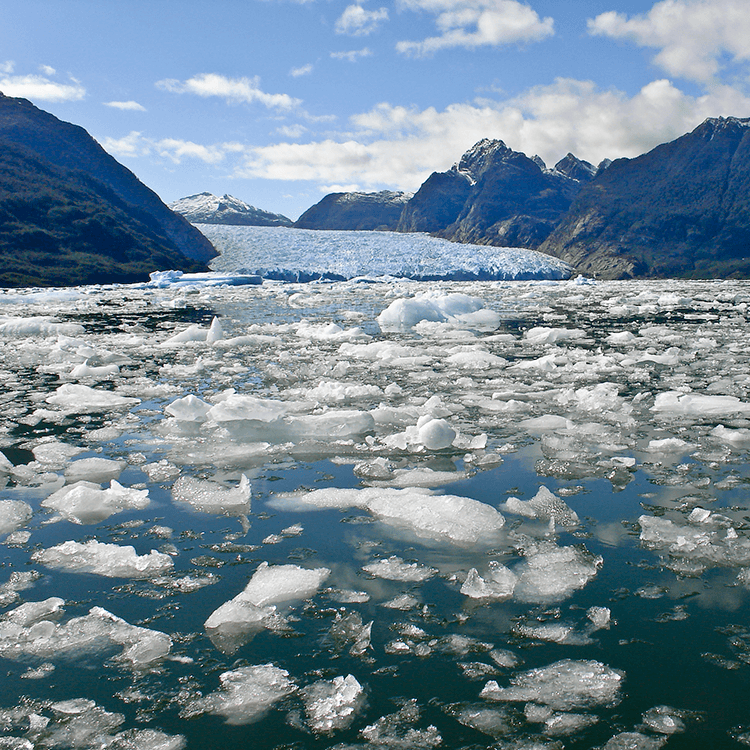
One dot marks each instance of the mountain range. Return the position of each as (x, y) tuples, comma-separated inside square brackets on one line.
[(680, 210), (71, 214)]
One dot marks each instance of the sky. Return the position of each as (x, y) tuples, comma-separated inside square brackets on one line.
[(279, 102)]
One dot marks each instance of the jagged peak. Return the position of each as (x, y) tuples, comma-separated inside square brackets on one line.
[(574, 168)]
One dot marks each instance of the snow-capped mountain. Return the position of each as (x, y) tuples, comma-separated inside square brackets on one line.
[(206, 208)]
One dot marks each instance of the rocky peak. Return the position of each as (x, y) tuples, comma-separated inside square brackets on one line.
[(575, 168), (483, 153)]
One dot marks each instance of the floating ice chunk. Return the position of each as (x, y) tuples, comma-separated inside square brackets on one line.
[(86, 502), (738, 437), (30, 630), (6, 467), (545, 506), (247, 408), (545, 423), (188, 409), (435, 434), (691, 404), (600, 617), (476, 358), (499, 583), (54, 454), (210, 497), (196, 333), (332, 392), (401, 602), (633, 741), (403, 314), (664, 719), (669, 445), (94, 372), (349, 630), (490, 721), (38, 326), (542, 335), (695, 546), (331, 705), (94, 470), (81, 399), (18, 581), (329, 332), (562, 686), (397, 731), (451, 518), (14, 514), (460, 520), (235, 621), (245, 695), (104, 559), (545, 363), (621, 338), (395, 569), (550, 573)]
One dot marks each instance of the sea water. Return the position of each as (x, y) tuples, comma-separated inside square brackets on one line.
[(394, 514)]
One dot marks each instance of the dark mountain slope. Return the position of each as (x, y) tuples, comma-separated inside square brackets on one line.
[(682, 209), (59, 227), (495, 196), (68, 154), (355, 211)]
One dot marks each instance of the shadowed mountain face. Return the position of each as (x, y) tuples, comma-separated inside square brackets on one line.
[(71, 214), (682, 209), (355, 211), (496, 196)]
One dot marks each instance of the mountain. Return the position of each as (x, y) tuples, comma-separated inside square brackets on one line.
[(355, 211), (71, 214), (496, 196), (206, 208), (682, 209)]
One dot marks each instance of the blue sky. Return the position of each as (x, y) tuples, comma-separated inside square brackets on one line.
[(279, 102)]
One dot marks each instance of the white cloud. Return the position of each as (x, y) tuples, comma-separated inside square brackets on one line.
[(176, 150), (692, 35), (356, 21), (399, 147), (303, 70), (477, 23), (291, 131), (352, 55), (232, 89), (7, 67), (130, 105), (47, 70), (129, 146), (41, 88)]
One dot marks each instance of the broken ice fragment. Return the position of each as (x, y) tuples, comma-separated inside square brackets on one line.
[(85, 502), (104, 559), (13, 515), (188, 409), (81, 399), (562, 686), (545, 506), (499, 583), (332, 704), (395, 569), (235, 621), (210, 497), (246, 694), (435, 434)]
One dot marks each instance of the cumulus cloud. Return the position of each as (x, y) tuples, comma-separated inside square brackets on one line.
[(352, 55), (398, 147), (477, 23), (39, 87), (7, 67), (232, 89), (692, 36), (130, 105), (356, 21)]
